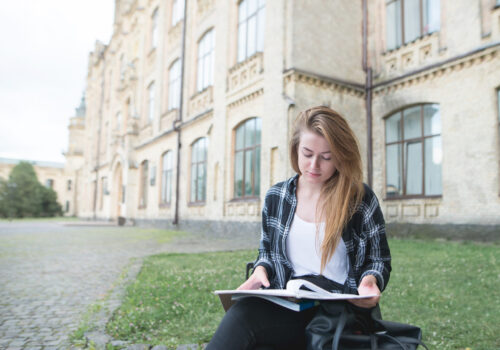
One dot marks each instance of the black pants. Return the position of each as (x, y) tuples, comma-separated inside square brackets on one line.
[(253, 322)]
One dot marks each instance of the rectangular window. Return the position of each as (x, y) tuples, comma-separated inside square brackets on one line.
[(414, 152), (69, 185), (251, 26), (206, 61), (174, 85), (151, 102), (198, 170), (166, 178), (177, 11), (154, 29), (408, 20), (247, 159), (143, 198)]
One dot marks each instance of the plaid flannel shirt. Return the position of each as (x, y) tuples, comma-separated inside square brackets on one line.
[(364, 237)]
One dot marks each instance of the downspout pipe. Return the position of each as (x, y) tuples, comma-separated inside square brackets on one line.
[(368, 96), (177, 123)]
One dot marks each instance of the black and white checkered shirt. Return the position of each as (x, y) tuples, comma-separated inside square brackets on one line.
[(364, 237)]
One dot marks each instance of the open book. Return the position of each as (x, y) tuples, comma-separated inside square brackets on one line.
[(293, 297)]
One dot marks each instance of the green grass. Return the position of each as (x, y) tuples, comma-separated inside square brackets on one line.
[(450, 290)]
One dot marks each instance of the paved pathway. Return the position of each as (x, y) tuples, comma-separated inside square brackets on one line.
[(50, 273)]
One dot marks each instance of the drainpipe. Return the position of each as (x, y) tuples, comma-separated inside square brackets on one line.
[(177, 123), (96, 169), (368, 95)]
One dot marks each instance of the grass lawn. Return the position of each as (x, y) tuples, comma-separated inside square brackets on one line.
[(451, 290)]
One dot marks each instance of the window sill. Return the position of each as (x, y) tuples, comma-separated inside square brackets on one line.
[(196, 204), (244, 199), (399, 198), (411, 43), (142, 207), (165, 205)]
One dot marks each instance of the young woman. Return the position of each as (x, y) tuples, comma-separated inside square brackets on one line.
[(322, 224)]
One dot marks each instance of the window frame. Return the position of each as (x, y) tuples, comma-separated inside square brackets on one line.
[(151, 102), (402, 141), (401, 23), (177, 11), (143, 189), (205, 79), (255, 147), (167, 170), (174, 85), (194, 163), (155, 32), (259, 15)]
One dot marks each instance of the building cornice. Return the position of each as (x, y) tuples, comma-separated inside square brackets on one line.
[(420, 75), (310, 78)]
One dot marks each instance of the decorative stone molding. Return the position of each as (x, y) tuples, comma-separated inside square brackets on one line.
[(167, 119), (248, 97), (410, 56), (201, 102), (146, 132), (337, 86), (204, 7), (436, 71), (174, 34), (242, 208), (412, 209), (245, 73)]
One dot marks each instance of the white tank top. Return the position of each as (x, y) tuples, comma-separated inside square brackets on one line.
[(304, 252)]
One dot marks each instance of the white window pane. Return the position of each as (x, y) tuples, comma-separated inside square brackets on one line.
[(263, 3), (248, 172), (193, 183), (412, 126), (433, 160), (261, 24), (412, 19), (432, 15), (393, 128), (432, 120), (242, 41), (240, 137), (394, 180), (393, 24), (252, 36), (250, 133), (413, 159), (258, 130), (238, 174), (252, 7), (242, 11)]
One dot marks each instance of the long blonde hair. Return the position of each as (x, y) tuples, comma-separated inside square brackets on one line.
[(341, 193)]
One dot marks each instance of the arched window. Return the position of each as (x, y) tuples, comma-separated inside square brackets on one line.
[(174, 85), (205, 74), (414, 152), (166, 177), (198, 170), (143, 196), (247, 159)]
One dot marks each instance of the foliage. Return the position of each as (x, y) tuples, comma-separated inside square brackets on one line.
[(450, 290), (23, 196)]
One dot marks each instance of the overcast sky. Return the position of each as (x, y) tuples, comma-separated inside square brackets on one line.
[(44, 47)]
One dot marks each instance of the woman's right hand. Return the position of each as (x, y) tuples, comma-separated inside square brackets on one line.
[(256, 280)]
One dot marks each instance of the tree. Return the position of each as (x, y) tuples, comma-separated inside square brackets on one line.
[(22, 195)]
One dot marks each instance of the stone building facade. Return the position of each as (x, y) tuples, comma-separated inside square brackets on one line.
[(190, 105)]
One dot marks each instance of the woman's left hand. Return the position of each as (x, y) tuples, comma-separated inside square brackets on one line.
[(367, 286)]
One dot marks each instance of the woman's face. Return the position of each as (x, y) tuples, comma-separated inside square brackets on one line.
[(316, 162)]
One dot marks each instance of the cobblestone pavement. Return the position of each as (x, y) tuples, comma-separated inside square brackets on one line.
[(50, 272)]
